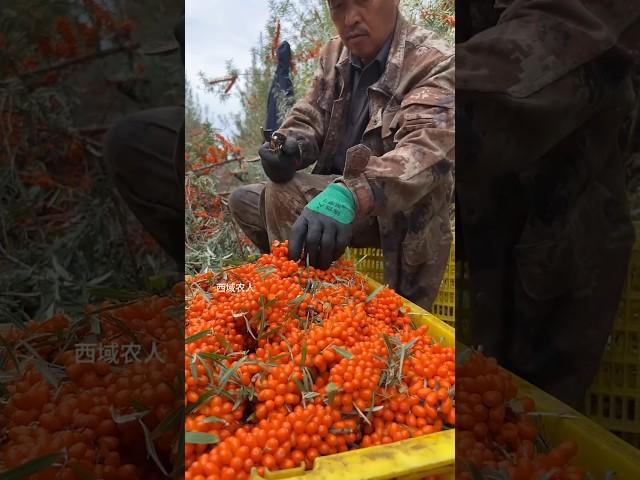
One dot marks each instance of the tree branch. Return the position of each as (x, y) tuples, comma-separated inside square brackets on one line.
[(74, 61), (201, 170)]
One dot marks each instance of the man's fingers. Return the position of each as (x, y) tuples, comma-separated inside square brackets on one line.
[(297, 238), (327, 246), (343, 238), (265, 153), (312, 242), (291, 147), (320, 238)]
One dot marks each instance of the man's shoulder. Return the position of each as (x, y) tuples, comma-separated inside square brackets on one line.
[(424, 53), (421, 40), (332, 49)]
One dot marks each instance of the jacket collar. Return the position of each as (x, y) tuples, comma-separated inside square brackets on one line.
[(391, 77)]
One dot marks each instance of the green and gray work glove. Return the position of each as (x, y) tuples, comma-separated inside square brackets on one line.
[(323, 229)]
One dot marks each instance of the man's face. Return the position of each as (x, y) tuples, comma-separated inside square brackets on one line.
[(364, 25)]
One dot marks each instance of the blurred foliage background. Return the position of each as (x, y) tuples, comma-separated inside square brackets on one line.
[(69, 69)]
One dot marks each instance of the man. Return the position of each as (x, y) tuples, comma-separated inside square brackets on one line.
[(543, 95), (378, 122)]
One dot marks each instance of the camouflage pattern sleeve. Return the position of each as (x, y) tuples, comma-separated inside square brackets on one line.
[(423, 156), (535, 90), (306, 120)]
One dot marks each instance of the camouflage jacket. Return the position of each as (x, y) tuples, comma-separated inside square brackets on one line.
[(543, 98), (402, 173)]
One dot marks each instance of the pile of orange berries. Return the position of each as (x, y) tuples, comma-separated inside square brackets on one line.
[(298, 363), (494, 431), (91, 409)]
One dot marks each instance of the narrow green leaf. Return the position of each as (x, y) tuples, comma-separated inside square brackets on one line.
[(216, 357), (286, 342), (197, 336), (124, 328), (310, 395), (51, 375), (270, 333), (225, 343), (377, 408), (193, 368), (300, 386), (379, 357), (266, 271), (541, 445), (389, 343), (373, 294), (178, 458), (362, 415), (204, 294), (11, 354), (270, 303), (130, 417), (409, 345), (207, 395), (224, 378), (151, 448), (237, 402), (60, 270), (298, 300), (213, 420), (169, 422), (332, 390), (176, 312), (360, 260), (34, 466), (272, 360), (343, 353), (303, 355), (100, 279), (200, 437), (308, 379), (206, 367)]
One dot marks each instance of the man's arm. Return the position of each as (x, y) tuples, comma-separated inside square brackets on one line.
[(424, 152), (305, 122)]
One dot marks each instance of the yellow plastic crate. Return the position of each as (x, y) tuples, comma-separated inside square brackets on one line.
[(369, 262), (444, 306), (599, 451), (412, 459), (614, 398)]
